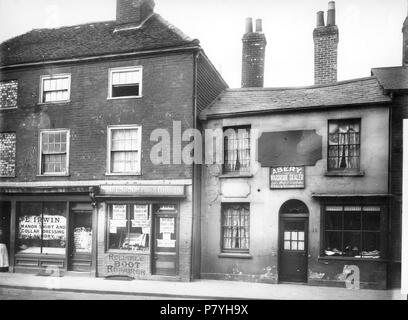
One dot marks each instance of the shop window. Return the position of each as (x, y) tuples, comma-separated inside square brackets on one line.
[(352, 231), (344, 145), (237, 150), (124, 150), (235, 227), (55, 88), (41, 228), (54, 152), (129, 227), (125, 82)]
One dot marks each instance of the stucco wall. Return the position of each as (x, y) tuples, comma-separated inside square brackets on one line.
[(265, 203)]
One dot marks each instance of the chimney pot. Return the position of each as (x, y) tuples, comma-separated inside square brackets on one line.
[(331, 14), (258, 25), (249, 25), (320, 19)]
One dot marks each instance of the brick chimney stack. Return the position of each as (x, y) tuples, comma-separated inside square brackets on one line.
[(405, 42), (132, 13), (253, 55), (326, 39)]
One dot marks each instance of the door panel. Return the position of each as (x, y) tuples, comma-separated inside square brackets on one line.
[(293, 250), (80, 241), (165, 255)]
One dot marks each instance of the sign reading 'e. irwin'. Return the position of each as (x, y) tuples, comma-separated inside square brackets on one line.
[(287, 178)]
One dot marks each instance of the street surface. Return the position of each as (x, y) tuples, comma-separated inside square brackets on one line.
[(22, 294)]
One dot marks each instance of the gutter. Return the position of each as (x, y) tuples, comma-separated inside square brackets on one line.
[(205, 117), (99, 57)]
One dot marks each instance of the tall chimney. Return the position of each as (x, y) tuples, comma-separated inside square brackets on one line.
[(405, 42), (133, 12), (253, 55), (326, 39)]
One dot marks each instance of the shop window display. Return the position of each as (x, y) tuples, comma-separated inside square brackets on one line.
[(129, 227), (352, 231), (41, 228)]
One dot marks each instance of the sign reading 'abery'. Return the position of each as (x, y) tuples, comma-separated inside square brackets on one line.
[(287, 178)]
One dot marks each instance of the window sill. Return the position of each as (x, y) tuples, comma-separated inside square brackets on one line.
[(53, 175), (344, 174), (121, 98), (340, 258), (8, 108), (235, 255), (122, 174), (54, 102), (235, 175)]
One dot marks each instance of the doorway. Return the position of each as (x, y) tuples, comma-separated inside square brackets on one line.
[(80, 239), (293, 241), (165, 235), (5, 234)]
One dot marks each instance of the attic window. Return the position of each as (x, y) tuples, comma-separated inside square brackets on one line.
[(125, 83)]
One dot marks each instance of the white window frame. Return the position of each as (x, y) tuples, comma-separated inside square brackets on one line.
[(53, 77), (109, 153), (40, 173), (122, 69)]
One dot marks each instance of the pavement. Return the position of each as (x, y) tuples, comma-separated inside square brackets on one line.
[(198, 289)]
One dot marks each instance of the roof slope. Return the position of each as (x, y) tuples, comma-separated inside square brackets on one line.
[(233, 102), (392, 78), (90, 39)]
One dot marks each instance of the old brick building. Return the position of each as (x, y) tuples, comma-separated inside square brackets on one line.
[(78, 106), (311, 180)]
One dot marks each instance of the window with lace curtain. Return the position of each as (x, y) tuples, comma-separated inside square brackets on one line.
[(235, 227), (344, 145), (237, 150)]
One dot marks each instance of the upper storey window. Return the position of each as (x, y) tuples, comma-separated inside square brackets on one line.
[(344, 145), (8, 94), (125, 82), (55, 88)]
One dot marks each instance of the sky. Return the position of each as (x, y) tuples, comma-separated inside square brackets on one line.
[(370, 31)]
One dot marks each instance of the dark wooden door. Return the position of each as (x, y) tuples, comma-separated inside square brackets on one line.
[(293, 249), (165, 253), (81, 229)]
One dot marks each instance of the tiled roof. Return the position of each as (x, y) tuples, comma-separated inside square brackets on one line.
[(233, 102), (392, 78), (92, 39)]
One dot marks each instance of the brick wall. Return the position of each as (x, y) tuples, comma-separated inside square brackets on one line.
[(399, 112), (326, 41), (7, 154), (8, 94), (253, 60), (168, 82), (133, 11)]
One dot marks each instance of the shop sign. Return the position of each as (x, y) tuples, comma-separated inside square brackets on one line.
[(119, 212), (141, 216), (144, 191), (53, 227), (166, 225), (117, 264), (287, 178)]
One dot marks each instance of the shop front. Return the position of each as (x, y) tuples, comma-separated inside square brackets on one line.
[(48, 232), (144, 232)]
